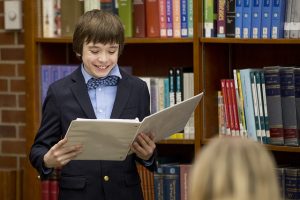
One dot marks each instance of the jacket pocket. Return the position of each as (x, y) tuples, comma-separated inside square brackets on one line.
[(73, 182)]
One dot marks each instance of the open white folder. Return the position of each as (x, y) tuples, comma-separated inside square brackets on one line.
[(110, 139)]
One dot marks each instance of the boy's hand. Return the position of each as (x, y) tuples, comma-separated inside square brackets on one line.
[(59, 155), (143, 146)]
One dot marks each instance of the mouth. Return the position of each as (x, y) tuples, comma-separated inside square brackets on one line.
[(101, 67)]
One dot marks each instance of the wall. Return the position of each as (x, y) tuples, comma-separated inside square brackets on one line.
[(12, 97)]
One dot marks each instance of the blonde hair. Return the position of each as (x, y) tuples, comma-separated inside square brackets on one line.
[(234, 169)]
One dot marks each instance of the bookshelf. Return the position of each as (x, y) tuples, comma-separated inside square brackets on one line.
[(147, 56)]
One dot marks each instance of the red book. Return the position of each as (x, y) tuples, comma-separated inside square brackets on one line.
[(139, 18), (152, 18), (226, 106), (45, 189), (53, 189)]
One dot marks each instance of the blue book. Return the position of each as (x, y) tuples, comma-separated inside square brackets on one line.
[(266, 19), (277, 19), (45, 79), (239, 18), (248, 103), (166, 93), (256, 19), (171, 181), (292, 182), (247, 18), (159, 184), (184, 18), (297, 95), (169, 15)]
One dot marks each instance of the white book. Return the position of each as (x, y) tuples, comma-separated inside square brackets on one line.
[(110, 139)]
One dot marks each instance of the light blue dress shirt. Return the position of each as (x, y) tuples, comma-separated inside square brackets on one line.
[(103, 97)]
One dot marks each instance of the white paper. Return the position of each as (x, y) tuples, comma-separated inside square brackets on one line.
[(110, 139)]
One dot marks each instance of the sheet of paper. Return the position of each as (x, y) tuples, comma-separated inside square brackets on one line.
[(170, 120), (102, 139)]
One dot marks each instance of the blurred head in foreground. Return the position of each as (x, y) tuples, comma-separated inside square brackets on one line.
[(234, 169)]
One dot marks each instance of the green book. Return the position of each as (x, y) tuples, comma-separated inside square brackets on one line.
[(126, 16)]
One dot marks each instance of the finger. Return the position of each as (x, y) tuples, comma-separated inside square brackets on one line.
[(60, 143)]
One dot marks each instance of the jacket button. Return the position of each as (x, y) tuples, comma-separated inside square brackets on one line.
[(106, 178)]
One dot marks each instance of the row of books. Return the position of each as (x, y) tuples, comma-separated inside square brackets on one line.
[(289, 182), (141, 18), (262, 104), (252, 18), (167, 91)]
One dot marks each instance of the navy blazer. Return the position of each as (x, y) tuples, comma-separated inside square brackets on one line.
[(68, 99)]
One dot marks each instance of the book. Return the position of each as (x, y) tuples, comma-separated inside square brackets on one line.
[(125, 11), (292, 183), (221, 19), (69, 17), (266, 19), (184, 180), (162, 18), (288, 104), (208, 18), (176, 18), (273, 94), (277, 19), (295, 19), (184, 18), (287, 22), (152, 18), (239, 19), (190, 19), (265, 107), (248, 103), (139, 18), (297, 95), (169, 16), (171, 181), (112, 137), (226, 107), (247, 5), (230, 18), (256, 19)]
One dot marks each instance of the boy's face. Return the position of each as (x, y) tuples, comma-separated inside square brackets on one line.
[(99, 59)]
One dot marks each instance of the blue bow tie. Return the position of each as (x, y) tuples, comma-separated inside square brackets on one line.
[(93, 83)]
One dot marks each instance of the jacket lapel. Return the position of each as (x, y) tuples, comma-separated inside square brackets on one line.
[(122, 96), (80, 92)]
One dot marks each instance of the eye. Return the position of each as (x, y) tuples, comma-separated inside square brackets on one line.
[(94, 51), (112, 52)]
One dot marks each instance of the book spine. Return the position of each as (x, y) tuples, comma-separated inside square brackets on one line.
[(287, 22), (295, 19), (230, 108), (266, 19), (226, 106), (126, 16), (208, 18), (239, 19), (221, 115), (255, 106), (179, 85), (162, 18), (266, 115), (169, 14), (234, 108), (256, 19), (246, 18), (297, 96), (190, 19), (184, 18), (176, 18), (172, 86), (184, 181), (277, 24), (260, 106), (230, 18), (273, 93), (288, 103), (292, 183), (152, 18), (171, 181), (139, 18), (221, 28)]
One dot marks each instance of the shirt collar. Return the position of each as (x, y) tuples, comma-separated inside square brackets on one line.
[(115, 71)]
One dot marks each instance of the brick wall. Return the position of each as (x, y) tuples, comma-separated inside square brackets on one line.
[(12, 96)]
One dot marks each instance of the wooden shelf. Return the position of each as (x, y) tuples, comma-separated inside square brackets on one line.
[(127, 40), (178, 141), (249, 41), (270, 147)]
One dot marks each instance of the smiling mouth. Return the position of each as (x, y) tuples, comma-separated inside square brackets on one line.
[(101, 67)]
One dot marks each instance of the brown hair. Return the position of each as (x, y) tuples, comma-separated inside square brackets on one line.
[(98, 26)]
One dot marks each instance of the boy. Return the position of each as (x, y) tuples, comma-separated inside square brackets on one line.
[(98, 41)]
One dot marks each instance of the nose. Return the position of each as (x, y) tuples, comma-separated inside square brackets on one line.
[(103, 57)]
